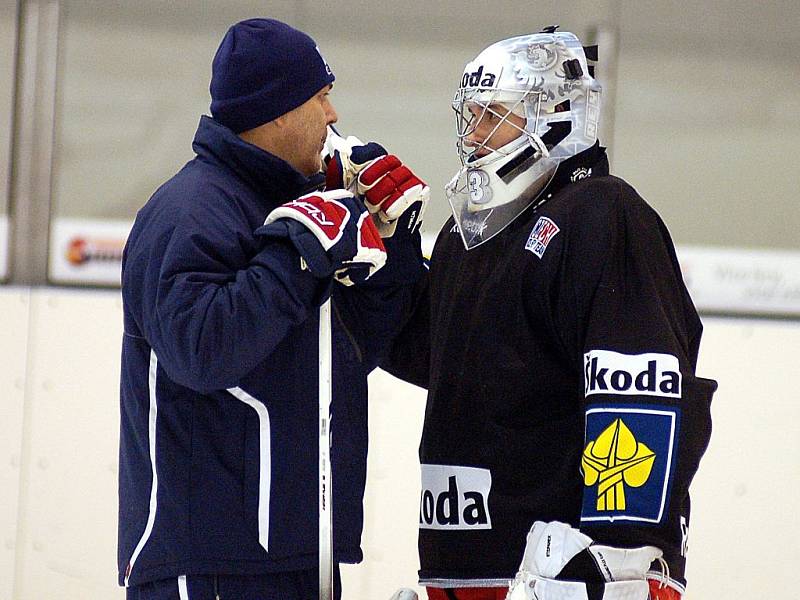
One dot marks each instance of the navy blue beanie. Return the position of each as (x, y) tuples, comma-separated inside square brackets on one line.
[(263, 69)]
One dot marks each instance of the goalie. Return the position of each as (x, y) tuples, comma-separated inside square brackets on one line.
[(558, 345)]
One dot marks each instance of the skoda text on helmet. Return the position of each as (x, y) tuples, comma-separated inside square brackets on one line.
[(544, 80)]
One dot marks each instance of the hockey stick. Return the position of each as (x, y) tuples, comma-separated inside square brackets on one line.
[(324, 440), (325, 495), (325, 393)]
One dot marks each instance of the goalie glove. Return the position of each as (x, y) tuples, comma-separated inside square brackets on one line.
[(333, 234), (560, 562)]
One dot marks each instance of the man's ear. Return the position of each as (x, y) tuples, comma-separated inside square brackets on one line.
[(279, 122)]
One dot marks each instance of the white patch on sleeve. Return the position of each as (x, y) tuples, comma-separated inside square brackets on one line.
[(455, 497), (650, 374)]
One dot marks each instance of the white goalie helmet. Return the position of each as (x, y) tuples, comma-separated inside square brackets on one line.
[(541, 86)]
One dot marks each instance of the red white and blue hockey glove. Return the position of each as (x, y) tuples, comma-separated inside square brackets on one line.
[(389, 188), (333, 233), (395, 195), (347, 157)]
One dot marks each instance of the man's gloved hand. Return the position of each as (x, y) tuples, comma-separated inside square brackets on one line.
[(393, 194), (332, 232), (346, 158), (561, 562), (389, 188)]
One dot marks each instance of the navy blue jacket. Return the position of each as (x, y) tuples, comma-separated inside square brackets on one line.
[(219, 398)]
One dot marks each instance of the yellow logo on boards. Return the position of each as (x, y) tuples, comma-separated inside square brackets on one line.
[(615, 459)]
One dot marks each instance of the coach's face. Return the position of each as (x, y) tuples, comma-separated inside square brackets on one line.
[(306, 128), (298, 136)]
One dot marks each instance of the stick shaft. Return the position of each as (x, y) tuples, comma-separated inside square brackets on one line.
[(325, 488)]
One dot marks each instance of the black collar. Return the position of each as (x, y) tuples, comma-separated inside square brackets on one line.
[(592, 162)]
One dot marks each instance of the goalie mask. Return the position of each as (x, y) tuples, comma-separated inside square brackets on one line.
[(524, 105)]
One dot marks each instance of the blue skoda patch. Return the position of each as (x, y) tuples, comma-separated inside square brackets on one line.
[(628, 462)]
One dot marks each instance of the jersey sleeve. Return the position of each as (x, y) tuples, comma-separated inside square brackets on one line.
[(631, 328), (409, 355), (374, 312)]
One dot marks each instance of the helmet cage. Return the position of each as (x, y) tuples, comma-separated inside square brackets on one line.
[(466, 99)]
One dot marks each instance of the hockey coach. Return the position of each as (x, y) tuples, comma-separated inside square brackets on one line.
[(558, 345), (223, 275)]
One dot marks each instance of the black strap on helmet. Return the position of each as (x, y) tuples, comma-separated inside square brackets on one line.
[(591, 53)]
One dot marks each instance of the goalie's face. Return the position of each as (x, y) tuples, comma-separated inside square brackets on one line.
[(494, 127), (487, 121)]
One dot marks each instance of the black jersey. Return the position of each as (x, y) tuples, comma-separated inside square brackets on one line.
[(559, 359)]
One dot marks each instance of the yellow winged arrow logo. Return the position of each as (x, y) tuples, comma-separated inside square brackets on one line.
[(616, 459)]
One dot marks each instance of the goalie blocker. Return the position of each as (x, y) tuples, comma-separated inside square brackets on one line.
[(562, 563)]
